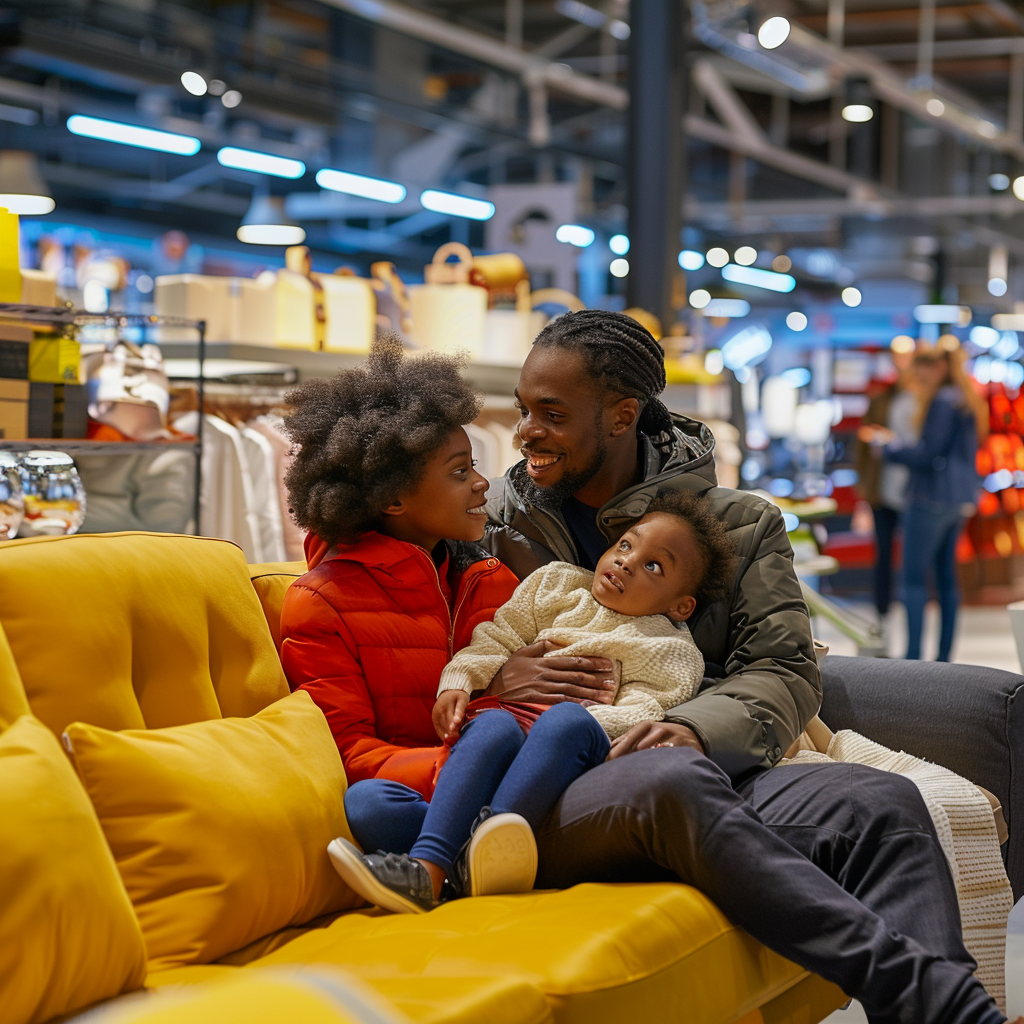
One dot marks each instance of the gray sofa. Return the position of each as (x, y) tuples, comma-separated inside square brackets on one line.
[(966, 718)]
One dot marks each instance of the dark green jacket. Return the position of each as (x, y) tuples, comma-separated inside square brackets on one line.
[(761, 684)]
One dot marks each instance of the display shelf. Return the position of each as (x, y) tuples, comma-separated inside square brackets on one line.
[(488, 376), (69, 315), (85, 446)]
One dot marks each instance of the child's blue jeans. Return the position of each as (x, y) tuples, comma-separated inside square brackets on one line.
[(493, 763)]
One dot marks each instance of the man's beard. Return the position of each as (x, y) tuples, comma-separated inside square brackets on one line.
[(550, 499)]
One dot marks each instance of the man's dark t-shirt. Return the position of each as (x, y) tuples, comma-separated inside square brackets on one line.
[(581, 519)]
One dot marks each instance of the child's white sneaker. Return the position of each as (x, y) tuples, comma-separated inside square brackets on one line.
[(499, 858)]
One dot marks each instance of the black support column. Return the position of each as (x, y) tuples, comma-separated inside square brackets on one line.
[(657, 88)]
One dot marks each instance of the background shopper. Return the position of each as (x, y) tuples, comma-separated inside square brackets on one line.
[(942, 490), (884, 484)]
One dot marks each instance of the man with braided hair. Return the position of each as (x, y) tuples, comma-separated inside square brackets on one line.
[(834, 866)]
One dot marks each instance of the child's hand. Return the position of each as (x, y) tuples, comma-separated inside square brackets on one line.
[(448, 712)]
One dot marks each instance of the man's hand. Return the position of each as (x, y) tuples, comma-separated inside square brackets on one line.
[(531, 678), (645, 735), (448, 712)]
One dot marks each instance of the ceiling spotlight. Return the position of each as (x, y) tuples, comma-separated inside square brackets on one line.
[(796, 321), (998, 182), (902, 344), (619, 267), (22, 190), (782, 264), (194, 83), (261, 163), (997, 287), (851, 296), (717, 256), (858, 113), (231, 98), (690, 259), (575, 234), (456, 205), (619, 244), (700, 298), (987, 129), (935, 107), (360, 185), (745, 255), (774, 32), (133, 135), (217, 87), (1018, 187), (266, 223)]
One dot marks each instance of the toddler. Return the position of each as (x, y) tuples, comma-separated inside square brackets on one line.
[(509, 762)]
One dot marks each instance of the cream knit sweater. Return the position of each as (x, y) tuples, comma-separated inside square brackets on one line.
[(661, 666)]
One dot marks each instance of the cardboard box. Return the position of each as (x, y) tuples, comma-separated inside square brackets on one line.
[(54, 360), (40, 409), (26, 410), (14, 409), (70, 410), (14, 346)]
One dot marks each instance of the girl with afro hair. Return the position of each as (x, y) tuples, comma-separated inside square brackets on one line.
[(383, 480)]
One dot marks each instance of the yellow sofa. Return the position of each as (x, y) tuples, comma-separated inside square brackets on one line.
[(145, 631)]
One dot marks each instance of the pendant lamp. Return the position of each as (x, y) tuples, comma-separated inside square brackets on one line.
[(266, 223), (22, 189)]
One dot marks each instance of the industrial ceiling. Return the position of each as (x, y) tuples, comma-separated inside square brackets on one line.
[(463, 95)]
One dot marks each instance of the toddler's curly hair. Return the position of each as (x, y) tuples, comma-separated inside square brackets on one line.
[(712, 539), (363, 437)]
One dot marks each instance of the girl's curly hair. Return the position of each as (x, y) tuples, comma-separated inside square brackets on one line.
[(713, 540), (362, 438)]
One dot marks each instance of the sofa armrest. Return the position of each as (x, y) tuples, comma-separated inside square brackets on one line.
[(964, 717)]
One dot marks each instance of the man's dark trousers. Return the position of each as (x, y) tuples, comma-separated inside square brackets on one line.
[(836, 867)]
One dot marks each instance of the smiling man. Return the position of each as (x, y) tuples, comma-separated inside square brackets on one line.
[(836, 867)]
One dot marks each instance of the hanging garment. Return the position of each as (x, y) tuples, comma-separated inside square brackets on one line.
[(294, 536), (227, 501), (263, 473)]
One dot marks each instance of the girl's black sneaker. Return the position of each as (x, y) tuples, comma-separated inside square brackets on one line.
[(391, 881)]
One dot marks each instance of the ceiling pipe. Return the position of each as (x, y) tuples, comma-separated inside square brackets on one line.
[(486, 49), (889, 86)]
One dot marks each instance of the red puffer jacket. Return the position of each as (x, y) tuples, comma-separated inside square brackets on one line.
[(367, 632)]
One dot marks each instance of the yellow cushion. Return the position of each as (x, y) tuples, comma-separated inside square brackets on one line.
[(68, 936), (258, 997), (133, 630), (597, 952), (13, 702), (270, 581), (505, 1000), (220, 829)]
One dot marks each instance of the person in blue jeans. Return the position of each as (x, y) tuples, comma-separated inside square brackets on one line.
[(494, 766), (942, 490)]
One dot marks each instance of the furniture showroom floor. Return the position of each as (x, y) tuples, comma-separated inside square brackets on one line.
[(983, 638)]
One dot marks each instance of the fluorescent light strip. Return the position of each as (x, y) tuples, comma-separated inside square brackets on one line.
[(757, 278), (261, 163), (360, 185), (455, 205), (132, 135)]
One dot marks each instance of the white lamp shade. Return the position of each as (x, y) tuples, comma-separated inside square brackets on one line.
[(266, 223), (778, 407), (22, 189), (813, 422)]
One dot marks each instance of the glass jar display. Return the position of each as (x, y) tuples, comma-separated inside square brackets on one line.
[(12, 500), (54, 495)]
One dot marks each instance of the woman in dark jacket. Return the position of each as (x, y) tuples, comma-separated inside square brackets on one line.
[(942, 491)]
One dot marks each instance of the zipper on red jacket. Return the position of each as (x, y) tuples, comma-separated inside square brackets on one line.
[(492, 565)]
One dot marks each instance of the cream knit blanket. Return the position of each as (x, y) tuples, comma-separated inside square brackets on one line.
[(661, 666), (967, 831)]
